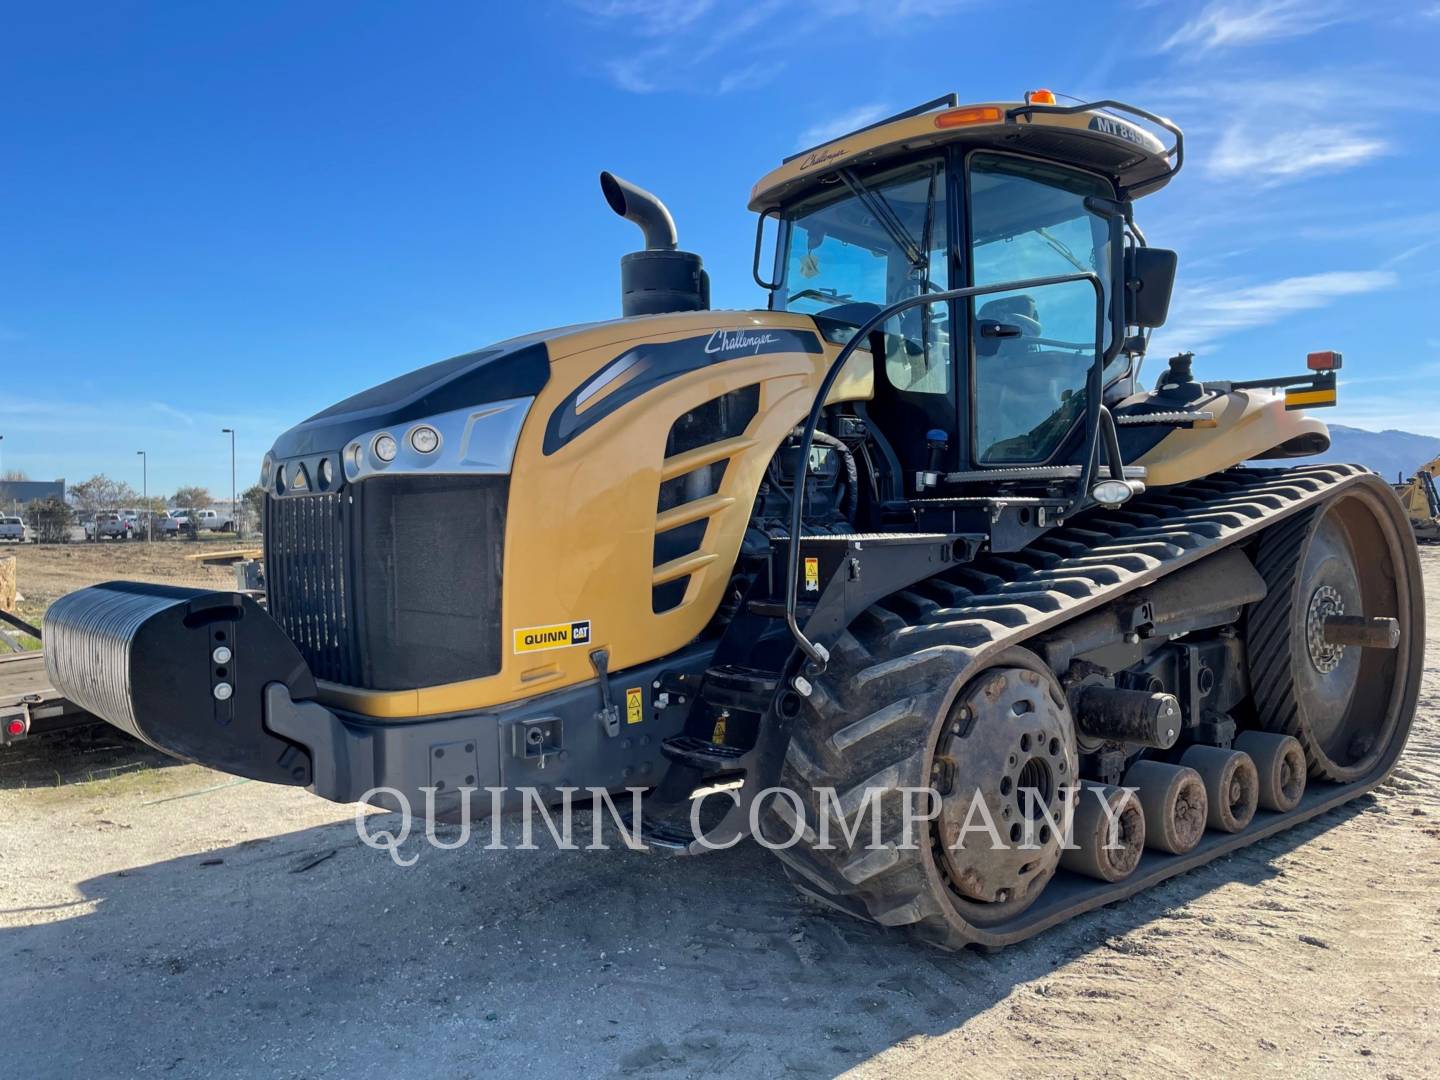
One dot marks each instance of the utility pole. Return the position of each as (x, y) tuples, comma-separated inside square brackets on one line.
[(145, 491), (234, 506)]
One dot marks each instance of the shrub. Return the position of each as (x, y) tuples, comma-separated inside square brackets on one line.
[(49, 521)]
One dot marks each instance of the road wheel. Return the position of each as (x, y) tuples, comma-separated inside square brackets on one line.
[(998, 747), (1345, 704)]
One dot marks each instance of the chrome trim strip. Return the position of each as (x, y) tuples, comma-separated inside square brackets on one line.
[(480, 440)]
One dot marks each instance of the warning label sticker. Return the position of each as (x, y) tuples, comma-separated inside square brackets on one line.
[(812, 575), (634, 705), (558, 636)]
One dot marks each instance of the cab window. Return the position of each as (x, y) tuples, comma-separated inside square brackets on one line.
[(865, 242), (1034, 348)]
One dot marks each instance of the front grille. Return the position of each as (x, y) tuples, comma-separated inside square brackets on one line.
[(393, 583), (307, 567)]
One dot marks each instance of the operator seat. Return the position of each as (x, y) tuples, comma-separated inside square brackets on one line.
[(1019, 385)]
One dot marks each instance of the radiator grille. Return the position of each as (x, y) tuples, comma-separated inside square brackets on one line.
[(307, 568), (393, 583)]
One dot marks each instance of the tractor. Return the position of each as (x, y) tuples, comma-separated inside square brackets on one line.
[(907, 575)]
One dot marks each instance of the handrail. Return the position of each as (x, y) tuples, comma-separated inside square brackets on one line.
[(817, 653)]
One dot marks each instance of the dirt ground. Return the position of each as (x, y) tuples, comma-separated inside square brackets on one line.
[(166, 920), (47, 571)]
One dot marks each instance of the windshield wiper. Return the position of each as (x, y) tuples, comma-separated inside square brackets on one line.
[(878, 205), (1063, 251)]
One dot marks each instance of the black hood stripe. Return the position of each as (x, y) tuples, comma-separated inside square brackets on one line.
[(653, 364)]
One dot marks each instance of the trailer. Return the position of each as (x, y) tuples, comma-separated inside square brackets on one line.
[(29, 704)]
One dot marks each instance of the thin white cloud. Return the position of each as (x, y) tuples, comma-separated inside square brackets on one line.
[(629, 73), (836, 126), (173, 413), (1209, 310), (653, 18), (749, 77), (1271, 156), (701, 46), (1227, 23), (1267, 131)]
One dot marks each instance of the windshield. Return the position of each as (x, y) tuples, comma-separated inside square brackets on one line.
[(868, 241)]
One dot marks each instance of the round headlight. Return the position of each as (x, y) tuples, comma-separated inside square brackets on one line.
[(384, 447), (326, 473), (266, 468), (280, 480), (425, 439), (354, 459)]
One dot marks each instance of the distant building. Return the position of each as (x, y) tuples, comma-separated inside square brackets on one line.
[(15, 495)]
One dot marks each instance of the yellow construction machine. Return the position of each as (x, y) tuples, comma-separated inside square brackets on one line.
[(1421, 501)]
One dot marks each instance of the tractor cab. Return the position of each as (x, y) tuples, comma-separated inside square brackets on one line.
[(1023, 210)]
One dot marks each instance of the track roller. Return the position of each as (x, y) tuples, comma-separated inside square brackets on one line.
[(1173, 799), (1279, 764), (1108, 845), (1232, 786)]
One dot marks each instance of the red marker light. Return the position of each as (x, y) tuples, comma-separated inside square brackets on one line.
[(1323, 361), (15, 727)]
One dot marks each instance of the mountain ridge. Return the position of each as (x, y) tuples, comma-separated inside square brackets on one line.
[(1391, 453)]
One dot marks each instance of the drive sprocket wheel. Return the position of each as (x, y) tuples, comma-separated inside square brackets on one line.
[(999, 748), (1343, 558)]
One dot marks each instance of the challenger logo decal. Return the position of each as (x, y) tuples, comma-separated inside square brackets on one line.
[(733, 341), (556, 636), (652, 364)]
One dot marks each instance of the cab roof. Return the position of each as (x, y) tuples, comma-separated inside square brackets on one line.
[(1100, 136)]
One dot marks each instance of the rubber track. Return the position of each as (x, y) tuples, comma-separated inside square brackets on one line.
[(867, 722), (1268, 633)]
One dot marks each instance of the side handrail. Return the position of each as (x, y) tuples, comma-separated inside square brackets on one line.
[(817, 653)]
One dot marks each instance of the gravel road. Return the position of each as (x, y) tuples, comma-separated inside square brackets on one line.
[(167, 920)]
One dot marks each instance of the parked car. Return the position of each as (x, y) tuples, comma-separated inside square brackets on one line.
[(108, 527), (13, 528), (161, 526)]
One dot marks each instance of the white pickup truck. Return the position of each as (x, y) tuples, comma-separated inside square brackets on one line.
[(13, 528), (213, 520)]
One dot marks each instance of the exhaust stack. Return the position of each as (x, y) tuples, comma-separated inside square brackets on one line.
[(660, 278)]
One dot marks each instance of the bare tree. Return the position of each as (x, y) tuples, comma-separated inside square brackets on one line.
[(100, 493), (191, 498), (253, 502)]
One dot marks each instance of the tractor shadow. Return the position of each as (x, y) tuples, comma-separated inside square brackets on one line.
[(310, 953)]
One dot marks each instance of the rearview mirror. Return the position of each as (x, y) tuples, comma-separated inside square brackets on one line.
[(1149, 279)]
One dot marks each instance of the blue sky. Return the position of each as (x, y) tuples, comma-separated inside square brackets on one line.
[(234, 215)]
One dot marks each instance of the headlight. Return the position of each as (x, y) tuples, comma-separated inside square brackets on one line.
[(1111, 492), (325, 474), (424, 439), (384, 447), (266, 468)]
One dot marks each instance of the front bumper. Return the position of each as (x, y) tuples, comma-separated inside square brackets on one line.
[(145, 658)]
